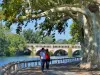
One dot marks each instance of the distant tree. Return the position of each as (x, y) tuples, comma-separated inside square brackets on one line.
[(3, 39), (29, 35), (61, 41), (48, 40), (10, 43), (35, 37), (16, 43)]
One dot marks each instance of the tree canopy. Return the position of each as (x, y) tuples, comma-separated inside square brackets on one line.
[(56, 12), (10, 43)]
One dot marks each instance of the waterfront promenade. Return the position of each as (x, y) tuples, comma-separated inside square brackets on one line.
[(58, 69), (61, 66)]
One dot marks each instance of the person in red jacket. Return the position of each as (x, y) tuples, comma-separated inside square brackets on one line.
[(47, 56)]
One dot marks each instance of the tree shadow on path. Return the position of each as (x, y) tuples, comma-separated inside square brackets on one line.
[(58, 69)]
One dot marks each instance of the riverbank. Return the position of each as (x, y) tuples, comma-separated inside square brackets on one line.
[(58, 69), (6, 60)]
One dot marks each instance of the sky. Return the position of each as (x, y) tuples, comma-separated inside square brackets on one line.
[(0, 1)]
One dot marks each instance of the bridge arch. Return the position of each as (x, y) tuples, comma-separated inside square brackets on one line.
[(38, 53), (60, 52), (76, 53)]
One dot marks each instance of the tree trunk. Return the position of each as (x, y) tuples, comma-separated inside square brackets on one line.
[(91, 55), (86, 45), (96, 29)]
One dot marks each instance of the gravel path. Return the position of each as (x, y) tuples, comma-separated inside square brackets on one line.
[(57, 69)]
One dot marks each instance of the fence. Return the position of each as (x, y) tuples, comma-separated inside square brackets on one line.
[(13, 67)]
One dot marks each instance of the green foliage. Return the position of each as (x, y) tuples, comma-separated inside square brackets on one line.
[(29, 35), (3, 40), (21, 11), (1, 15), (76, 32), (16, 43), (48, 40), (61, 41), (13, 8), (51, 53), (53, 23), (16, 9), (35, 37), (33, 51), (70, 52), (10, 43)]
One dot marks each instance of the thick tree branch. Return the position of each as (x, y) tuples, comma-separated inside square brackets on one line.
[(62, 9), (97, 1), (58, 9)]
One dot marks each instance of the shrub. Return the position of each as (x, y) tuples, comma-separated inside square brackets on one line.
[(51, 53)]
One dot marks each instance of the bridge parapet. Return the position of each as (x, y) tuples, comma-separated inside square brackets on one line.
[(55, 45)]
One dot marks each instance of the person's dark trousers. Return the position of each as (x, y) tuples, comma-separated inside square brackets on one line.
[(42, 64), (47, 64)]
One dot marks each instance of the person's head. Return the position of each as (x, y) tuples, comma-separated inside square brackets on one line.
[(46, 50), (42, 49)]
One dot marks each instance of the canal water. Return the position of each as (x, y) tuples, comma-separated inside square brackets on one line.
[(6, 60)]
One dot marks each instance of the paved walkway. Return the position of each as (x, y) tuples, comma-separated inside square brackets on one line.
[(62, 69)]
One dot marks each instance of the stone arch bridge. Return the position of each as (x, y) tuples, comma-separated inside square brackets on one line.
[(54, 48)]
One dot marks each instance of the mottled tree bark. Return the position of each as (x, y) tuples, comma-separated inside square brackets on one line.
[(91, 53)]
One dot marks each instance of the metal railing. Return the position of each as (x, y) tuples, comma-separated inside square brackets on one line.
[(13, 67)]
